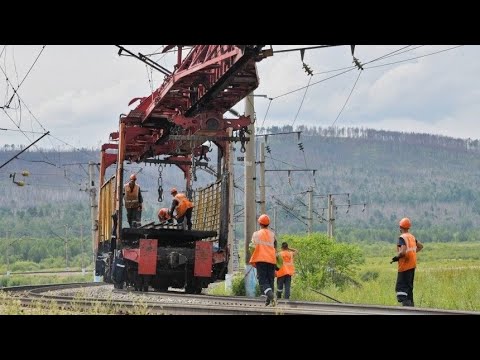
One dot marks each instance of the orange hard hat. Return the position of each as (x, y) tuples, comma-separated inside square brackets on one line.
[(173, 190), (264, 220), (133, 177), (163, 214), (405, 223)]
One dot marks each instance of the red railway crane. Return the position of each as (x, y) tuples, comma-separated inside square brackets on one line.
[(170, 125), (188, 107)]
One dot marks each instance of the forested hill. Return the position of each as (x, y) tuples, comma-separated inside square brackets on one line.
[(431, 179)]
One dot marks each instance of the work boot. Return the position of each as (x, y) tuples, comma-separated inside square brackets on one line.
[(279, 294), (270, 298), (407, 303)]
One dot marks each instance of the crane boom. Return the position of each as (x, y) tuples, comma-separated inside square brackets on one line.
[(187, 109)]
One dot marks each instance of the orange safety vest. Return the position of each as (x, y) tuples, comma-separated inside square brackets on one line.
[(131, 196), (183, 204), (287, 268), (264, 240), (409, 261)]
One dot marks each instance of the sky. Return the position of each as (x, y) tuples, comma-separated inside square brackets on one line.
[(77, 92)]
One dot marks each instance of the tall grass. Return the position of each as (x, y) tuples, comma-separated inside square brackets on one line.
[(17, 280), (447, 277), (10, 305)]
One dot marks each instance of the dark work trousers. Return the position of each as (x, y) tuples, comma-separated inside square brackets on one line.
[(281, 281), (404, 287), (266, 276), (134, 214), (188, 215)]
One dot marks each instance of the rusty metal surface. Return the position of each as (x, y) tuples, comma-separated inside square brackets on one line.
[(131, 254), (167, 236), (203, 259), (148, 257)]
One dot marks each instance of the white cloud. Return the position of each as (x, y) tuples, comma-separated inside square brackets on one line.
[(78, 92)]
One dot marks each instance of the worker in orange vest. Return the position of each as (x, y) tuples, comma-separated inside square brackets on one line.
[(407, 248), (133, 202), (264, 258), (164, 216), (182, 206), (285, 273)]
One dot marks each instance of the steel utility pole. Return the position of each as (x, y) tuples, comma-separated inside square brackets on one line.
[(275, 219), (332, 209), (6, 253), (331, 215), (249, 224), (310, 211), (83, 252), (66, 247), (263, 209), (93, 212), (232, 242), (262, 201)]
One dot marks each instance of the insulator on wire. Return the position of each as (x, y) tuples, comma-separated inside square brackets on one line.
[(307, 69)]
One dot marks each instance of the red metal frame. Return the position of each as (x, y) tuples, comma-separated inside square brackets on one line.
[(191, 102), (203, 259)]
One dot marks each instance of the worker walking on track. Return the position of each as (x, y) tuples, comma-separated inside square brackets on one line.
[(264, 258), (183, 208), (133, 202), (407, 248), (285, 273)]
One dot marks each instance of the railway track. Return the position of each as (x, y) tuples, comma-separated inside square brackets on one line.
[(85, 295)]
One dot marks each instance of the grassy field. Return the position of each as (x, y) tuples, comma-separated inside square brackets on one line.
[(39, 279), (447, 277)]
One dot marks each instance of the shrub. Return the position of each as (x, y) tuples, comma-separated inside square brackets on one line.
[(321, 261), (238, 286)]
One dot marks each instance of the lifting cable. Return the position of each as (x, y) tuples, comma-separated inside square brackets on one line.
[(160, 183)]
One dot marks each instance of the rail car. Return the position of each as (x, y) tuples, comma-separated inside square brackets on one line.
[(170, 127), (162, 255)]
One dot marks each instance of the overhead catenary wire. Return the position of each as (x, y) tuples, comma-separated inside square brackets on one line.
[(315, 83), (304, 48), (54, 137), (414, 58), (31, 132), (348, 97), (393, 53), (43, 154), (28, 72), (301, 102), (388, 54), (266, 112), (348, 69), (25, 149)]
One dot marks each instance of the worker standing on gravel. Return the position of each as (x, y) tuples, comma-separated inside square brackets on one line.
[(264, 258)]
